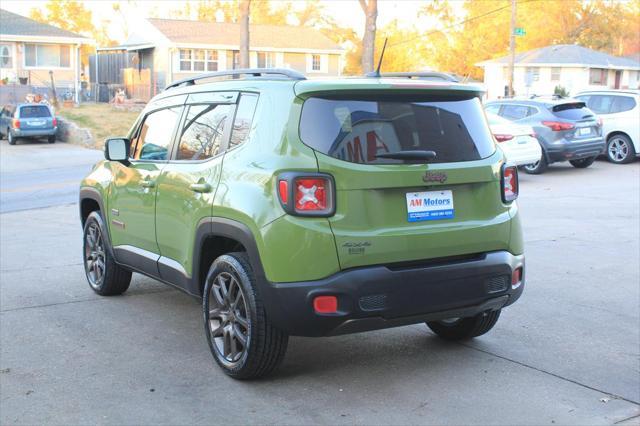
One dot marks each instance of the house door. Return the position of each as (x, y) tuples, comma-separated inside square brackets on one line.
[(618, 77)]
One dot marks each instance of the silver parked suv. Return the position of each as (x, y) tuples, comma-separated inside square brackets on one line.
[(566, 129)]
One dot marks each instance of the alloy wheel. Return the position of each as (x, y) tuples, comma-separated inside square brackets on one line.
[(94, 255), (228, 318), (618, 149), (532, 167)]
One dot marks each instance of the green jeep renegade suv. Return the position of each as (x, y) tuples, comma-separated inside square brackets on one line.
[(309, 208)]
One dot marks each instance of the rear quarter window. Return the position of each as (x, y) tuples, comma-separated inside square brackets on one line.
[(358, 129), (34, 111)]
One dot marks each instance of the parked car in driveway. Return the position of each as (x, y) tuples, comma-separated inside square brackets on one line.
[(309, 208), (28, 121), (566, 129), (518, 143), (620, 113)]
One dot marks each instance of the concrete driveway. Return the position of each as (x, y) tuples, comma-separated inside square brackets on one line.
[(567, 353)]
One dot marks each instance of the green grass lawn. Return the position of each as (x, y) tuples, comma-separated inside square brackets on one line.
[(101, 119)]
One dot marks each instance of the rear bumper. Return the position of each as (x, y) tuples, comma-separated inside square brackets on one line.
[(29, 133), (387, 296), (575, 150)]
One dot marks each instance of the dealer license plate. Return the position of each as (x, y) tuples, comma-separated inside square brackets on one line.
[(429, 205)]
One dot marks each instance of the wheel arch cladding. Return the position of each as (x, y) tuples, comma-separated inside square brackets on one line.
[(216, 236), (90, 200)]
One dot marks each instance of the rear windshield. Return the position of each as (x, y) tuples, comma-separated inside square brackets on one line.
[(357, 130), (572, 111), (34, 111)]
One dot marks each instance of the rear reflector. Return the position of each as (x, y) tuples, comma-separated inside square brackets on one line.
[(516, 278), (503, 138), (557, 126), (510, 185), (325, 304), (283, 191)]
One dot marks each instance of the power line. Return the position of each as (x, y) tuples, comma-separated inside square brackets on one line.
[(454, 25), (464, 21)]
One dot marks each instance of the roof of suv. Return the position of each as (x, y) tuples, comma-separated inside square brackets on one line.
[(610, 92), (539, 101), (303, 86)]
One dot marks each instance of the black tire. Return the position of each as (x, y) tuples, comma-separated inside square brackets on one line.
[(12, 139), (52, 139), (104, 275), (537, 168), (620, 149), (230, 320), (583, 163), (465, 328)]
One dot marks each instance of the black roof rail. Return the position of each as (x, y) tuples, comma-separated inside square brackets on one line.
[(254, 72), (418, 75)]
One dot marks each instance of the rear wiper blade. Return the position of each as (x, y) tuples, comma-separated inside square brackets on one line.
[(408, 155)]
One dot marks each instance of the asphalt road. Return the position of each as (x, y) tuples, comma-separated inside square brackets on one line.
[(567, 353), (39, 174)]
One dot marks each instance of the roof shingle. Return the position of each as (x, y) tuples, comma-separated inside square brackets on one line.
[(18, 25), (261, 36), (568, 54)]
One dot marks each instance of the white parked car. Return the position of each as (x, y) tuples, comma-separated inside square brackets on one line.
[(620, 114), (518, 143)]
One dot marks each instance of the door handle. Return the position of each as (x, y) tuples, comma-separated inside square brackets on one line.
[(148, 183), (200, 187)]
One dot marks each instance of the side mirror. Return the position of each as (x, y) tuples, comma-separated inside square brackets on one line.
[(117, 149)]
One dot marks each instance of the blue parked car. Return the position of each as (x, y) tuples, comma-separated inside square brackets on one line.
[(28, 121)]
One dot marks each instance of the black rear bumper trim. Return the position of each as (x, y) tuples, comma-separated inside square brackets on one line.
[(378, 297)]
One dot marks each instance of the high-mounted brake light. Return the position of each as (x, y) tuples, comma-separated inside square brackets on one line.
[(503, 137), (15, 123), (558, 126), (510, 186), (307, 194)]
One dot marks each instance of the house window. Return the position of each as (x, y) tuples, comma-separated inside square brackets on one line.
[(6, 59), (555, 73), (47, 55), (533, 73), (598, 76), (317, 63), (198, 60), (266, 60)]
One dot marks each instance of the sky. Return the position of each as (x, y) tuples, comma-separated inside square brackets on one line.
[(346, 12)]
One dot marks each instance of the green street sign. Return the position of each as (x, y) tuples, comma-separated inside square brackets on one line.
[(519, 32)]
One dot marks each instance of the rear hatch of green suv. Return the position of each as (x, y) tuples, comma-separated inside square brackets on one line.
[(400, 211)]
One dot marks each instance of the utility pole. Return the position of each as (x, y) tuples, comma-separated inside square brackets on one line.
[(512, 46)]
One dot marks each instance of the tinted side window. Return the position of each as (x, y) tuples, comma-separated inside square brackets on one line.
[(243, 120), (203, 130), (600, 104), (155, 135), (493, 109), (357, 130), (514, 112), (623, 103)]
